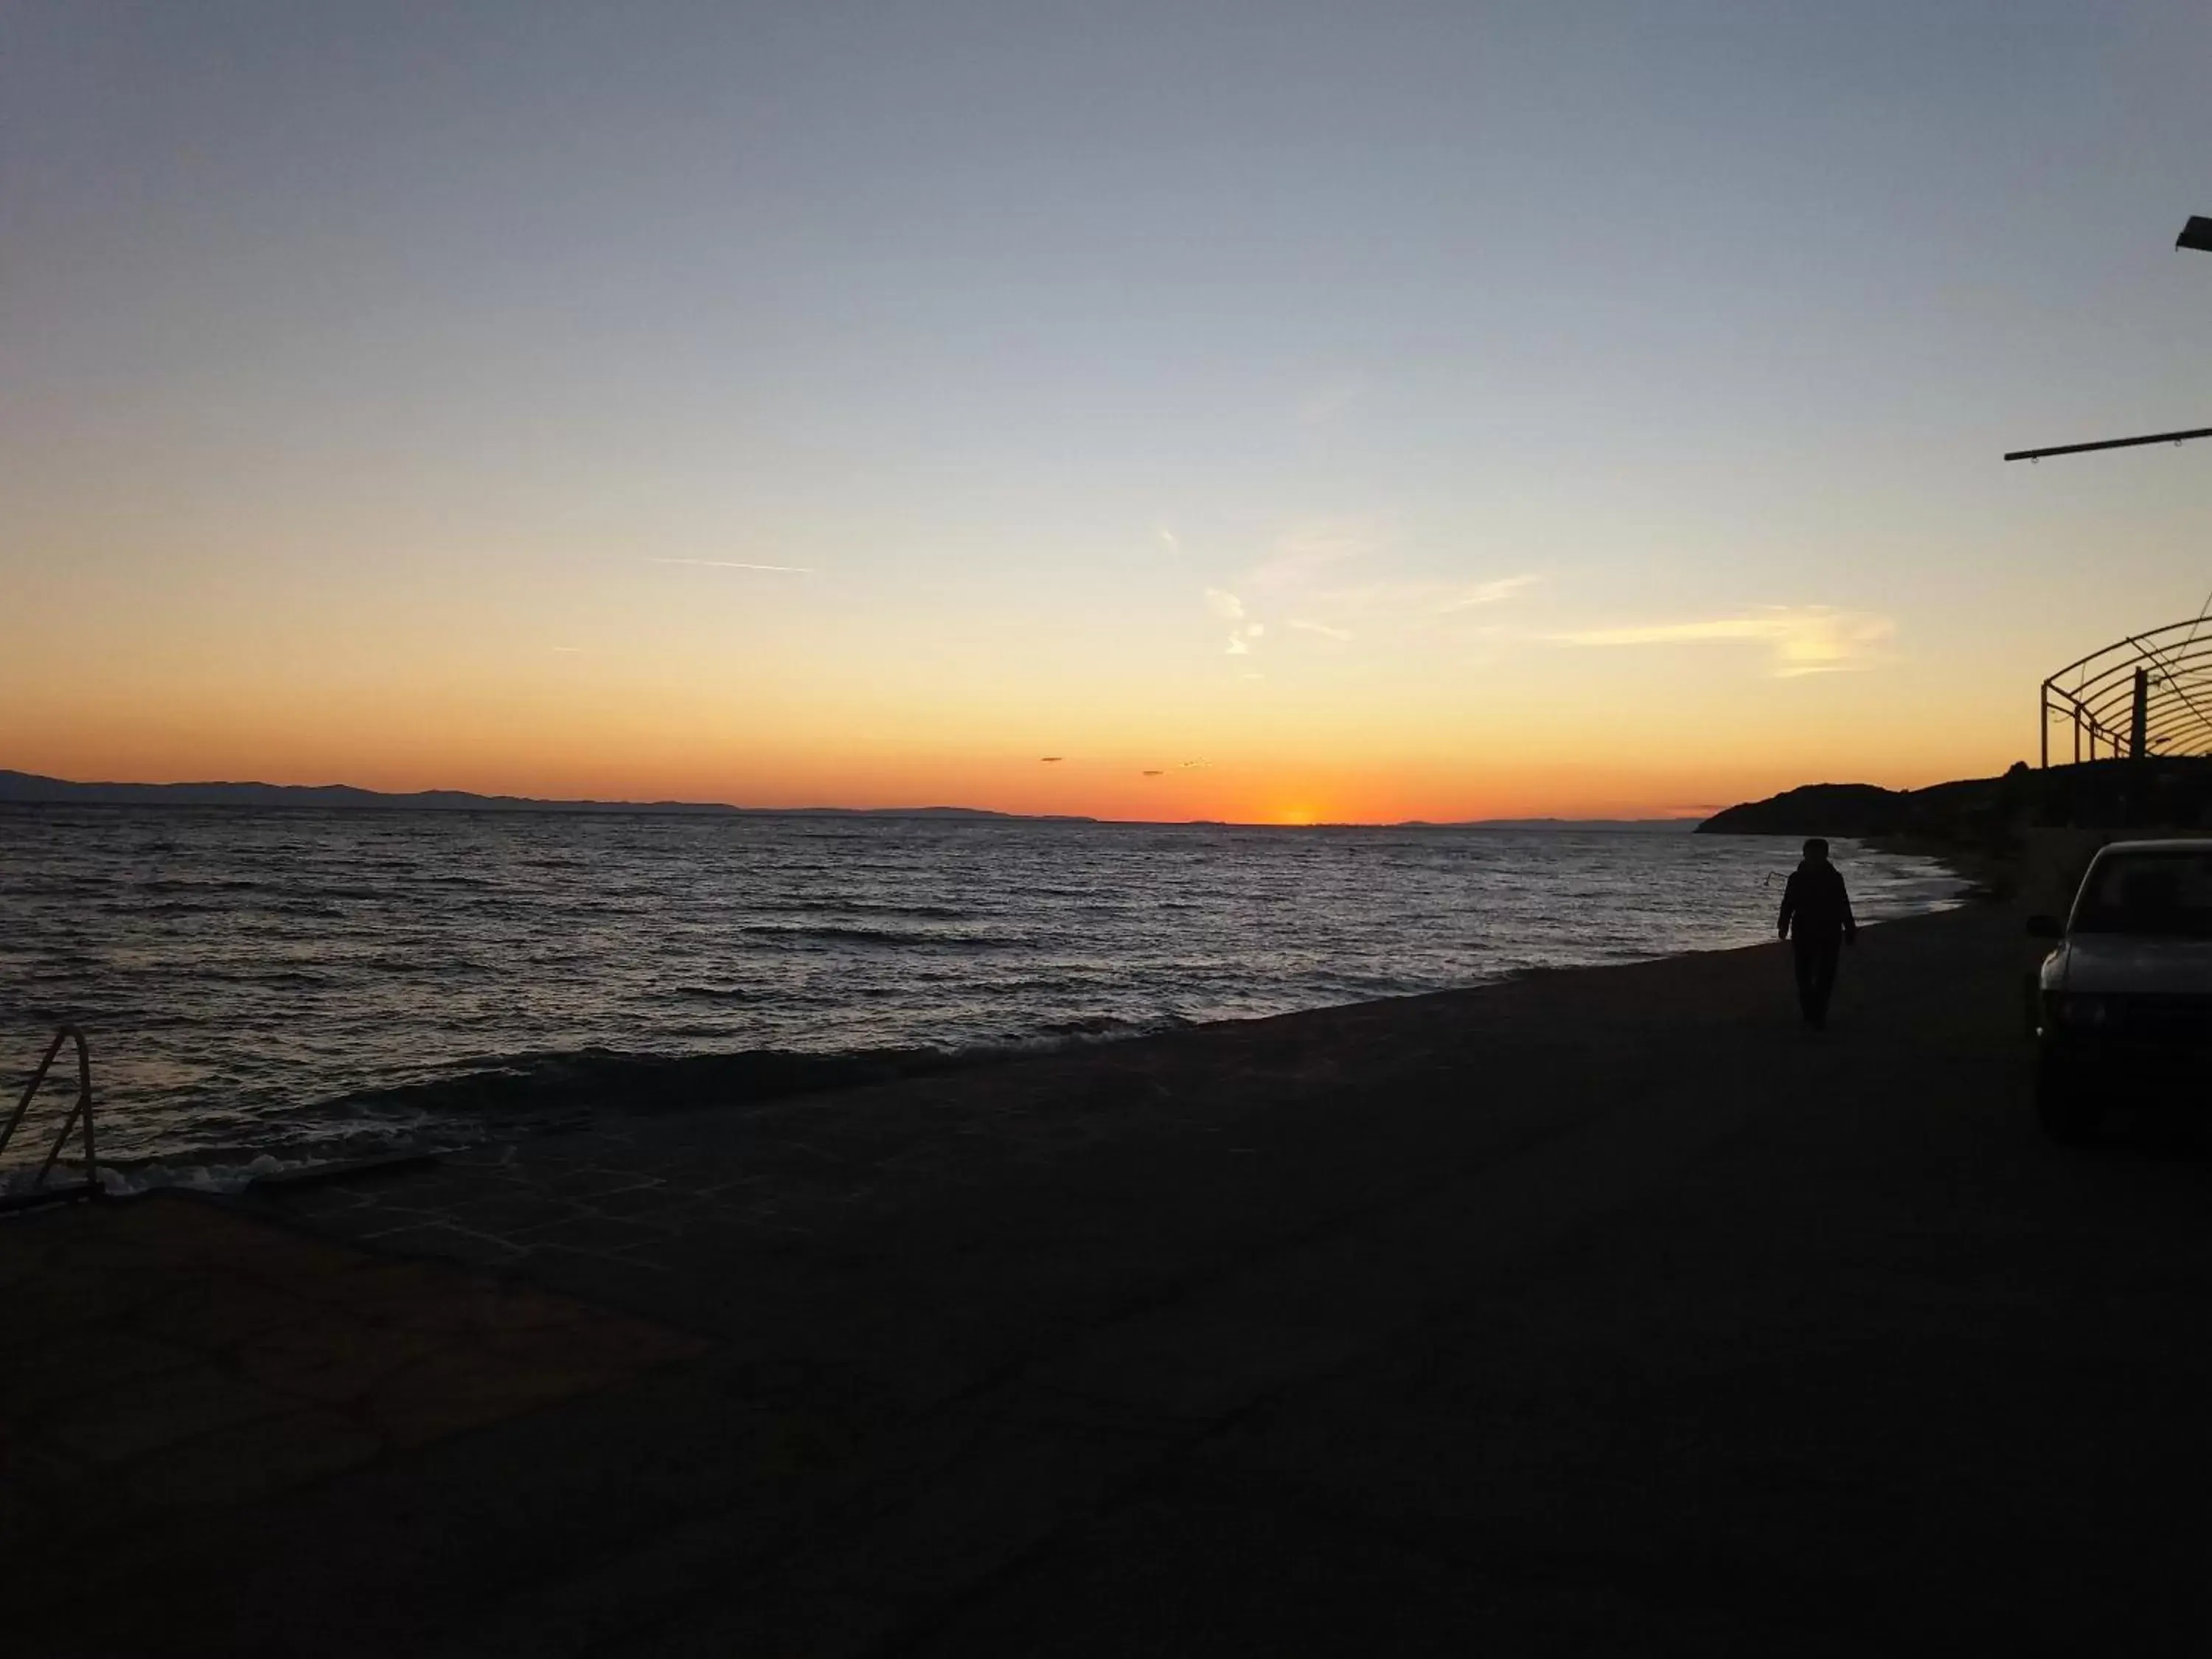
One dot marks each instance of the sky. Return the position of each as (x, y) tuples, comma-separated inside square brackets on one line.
[(1274, 412)]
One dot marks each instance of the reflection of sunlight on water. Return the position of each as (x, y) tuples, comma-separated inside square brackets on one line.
[(161, 1072), (235, 969)]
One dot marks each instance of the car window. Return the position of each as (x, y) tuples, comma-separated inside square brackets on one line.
[(2166, 893)]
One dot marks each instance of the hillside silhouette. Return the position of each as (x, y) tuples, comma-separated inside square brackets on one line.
[(1987, 814)]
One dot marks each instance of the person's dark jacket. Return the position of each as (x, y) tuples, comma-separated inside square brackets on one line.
[(1815, 902)]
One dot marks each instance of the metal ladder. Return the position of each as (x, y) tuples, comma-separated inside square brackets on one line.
[(39, 1192)]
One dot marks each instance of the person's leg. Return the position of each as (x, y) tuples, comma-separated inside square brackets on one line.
[(1824, 977), (1803, 957)]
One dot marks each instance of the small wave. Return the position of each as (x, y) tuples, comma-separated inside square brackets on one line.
[(524, 1090), (866, 908), (1101, 1028), (295, 978), (880, 936), (529, 1087), (128, 1180), (714, 993), (1047, 988)]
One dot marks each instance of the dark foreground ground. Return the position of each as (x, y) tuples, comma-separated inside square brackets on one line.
[(1599, 1313)]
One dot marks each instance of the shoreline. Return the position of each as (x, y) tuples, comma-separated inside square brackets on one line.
[(1004, 1111), (745, 1095), (1987, 877), (549, 1092)]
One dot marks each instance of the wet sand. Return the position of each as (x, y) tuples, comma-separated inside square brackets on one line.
[(1602, 1311)]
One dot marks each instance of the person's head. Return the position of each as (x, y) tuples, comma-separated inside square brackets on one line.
[(1816, 851)]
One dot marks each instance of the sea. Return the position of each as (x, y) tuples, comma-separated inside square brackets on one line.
[(268, 989)]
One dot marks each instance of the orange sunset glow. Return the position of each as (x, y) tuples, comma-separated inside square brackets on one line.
[(758, 452)]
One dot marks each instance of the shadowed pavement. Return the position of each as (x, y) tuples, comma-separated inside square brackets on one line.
[(1598, 1312)]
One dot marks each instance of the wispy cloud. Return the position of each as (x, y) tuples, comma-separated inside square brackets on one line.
[(734, 564), (1151, 772), (1230, 609), (1335, 577), (1052, 760), (1412, 603), (1491, 593), (1168, 540), (1300, 557), (1807, 639)]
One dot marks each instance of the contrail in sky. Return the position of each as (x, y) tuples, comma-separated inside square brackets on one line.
[(731, 564)]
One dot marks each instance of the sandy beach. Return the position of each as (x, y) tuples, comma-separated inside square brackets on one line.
[(1600, 1311)]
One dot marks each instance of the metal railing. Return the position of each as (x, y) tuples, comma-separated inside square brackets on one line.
[(38, 1192)]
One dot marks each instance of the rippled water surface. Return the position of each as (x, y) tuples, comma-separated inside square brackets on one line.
[(245, 975)]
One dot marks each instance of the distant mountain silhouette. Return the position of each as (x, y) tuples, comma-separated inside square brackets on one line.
[(29, 789), (1852, 810)]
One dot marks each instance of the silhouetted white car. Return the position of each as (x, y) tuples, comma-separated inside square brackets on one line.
[(2124, 1003)]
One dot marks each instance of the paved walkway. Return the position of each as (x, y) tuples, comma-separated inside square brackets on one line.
[(1603, 1313), (166, 1358)]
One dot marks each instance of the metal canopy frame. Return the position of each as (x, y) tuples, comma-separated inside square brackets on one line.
[(2164, 671)]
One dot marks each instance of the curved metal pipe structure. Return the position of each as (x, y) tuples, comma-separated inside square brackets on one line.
[(2148, 694)]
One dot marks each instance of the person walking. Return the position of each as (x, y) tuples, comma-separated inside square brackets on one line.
[(1817, 920)]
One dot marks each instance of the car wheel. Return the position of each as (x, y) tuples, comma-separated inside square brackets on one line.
[(2066, 1111)]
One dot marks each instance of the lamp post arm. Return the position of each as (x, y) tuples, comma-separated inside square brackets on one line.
[(2111, 443)]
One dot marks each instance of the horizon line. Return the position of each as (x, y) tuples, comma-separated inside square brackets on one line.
[(404, 799)]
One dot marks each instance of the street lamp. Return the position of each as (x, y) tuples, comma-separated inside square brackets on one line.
[(2196, 235)]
